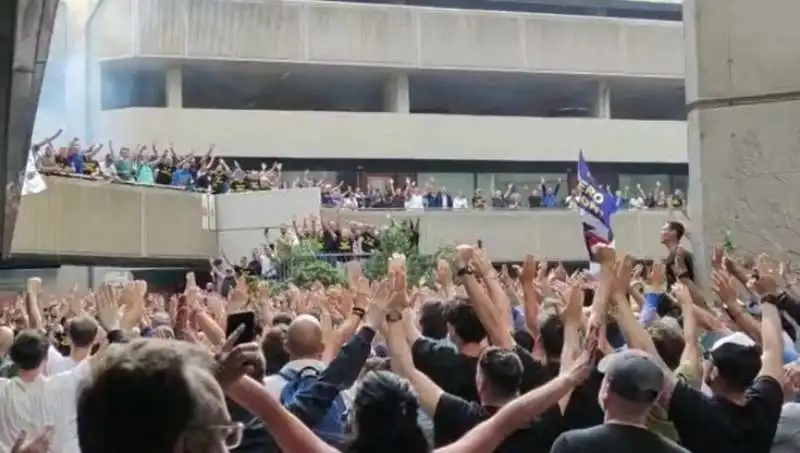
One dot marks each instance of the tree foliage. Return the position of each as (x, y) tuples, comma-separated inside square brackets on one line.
[(301, 265), (419, 267)]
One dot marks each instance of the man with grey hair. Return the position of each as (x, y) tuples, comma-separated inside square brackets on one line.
[(160, 396)]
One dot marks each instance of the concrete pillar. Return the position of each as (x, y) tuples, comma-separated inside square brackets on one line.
[(742, 89), (602, 100), (395, 94), (174, 87)]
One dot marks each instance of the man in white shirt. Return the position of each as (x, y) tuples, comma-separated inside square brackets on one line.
[(304, 345), (81, 333), (33, 401), (460, 201)]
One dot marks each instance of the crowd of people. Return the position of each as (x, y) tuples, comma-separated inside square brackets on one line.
[(205, 172), (635, 357)]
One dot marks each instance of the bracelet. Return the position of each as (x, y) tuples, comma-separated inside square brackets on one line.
[(360, 312), (464, 271), (771, 299)]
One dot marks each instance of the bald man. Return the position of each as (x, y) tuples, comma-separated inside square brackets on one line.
[(304, 345)]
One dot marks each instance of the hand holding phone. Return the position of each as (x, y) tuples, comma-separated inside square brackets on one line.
[(245, 322)]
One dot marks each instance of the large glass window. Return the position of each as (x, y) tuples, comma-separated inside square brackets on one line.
[(328, 177), (485, 182), (680, 182), (524, 183), (123, 87), (456, 183), (647, 183)]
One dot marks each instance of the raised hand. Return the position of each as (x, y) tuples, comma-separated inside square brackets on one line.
[(723, 284), (39, 444), (107, 300)]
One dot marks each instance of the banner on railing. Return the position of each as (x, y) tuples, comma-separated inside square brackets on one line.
[(32, 180), (209, 212)]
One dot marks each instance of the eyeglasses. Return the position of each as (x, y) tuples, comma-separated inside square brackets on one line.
[(231, 434)]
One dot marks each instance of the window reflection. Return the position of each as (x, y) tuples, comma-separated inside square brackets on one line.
[(485, 182), (311, 177), (647, 183), (526, 183), (455, 183)]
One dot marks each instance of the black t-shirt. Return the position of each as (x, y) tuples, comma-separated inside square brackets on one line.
[(239, 185), (670, 261), (455, 372), (164, 174), (454, 417), (613, 438), (715, 425), (369, 242), (583, 410), (330, 241)]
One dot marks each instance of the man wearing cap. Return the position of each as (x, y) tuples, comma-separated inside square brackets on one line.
[(631, 385), (746, 384)]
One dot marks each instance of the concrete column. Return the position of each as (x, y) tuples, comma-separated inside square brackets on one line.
[(602, 100), (174, 87), (742, 89), (395, 94)]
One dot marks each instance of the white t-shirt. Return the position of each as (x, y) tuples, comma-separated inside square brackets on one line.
[(48, 401), (460, 203), (415, 201), (56, 363)]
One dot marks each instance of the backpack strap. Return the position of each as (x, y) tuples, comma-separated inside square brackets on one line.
[(289, 375)]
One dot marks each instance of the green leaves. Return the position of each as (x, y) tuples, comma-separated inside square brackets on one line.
[(419, 267)]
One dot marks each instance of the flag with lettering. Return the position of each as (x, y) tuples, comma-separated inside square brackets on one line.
[(595, 206)]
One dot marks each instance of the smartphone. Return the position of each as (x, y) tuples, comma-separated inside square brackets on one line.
[(248, 318), (480, 244)]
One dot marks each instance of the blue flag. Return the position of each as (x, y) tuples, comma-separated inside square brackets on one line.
[(595, 206)]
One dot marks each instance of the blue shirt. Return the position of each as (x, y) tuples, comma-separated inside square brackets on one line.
[(76, 162), (181, 177)]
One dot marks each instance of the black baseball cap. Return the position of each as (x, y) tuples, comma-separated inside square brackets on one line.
[(632, 375)]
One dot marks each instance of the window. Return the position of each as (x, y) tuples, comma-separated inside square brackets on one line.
[(456, 183), (647, 183), (329, 177), (485, 182), (524, 183), (123, 87), (680, 182)]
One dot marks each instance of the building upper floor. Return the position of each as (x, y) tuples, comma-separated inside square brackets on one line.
[(389, 36), (136, 222)]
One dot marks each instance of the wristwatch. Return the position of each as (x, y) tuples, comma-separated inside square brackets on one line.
[(771, 299), (464, 271), (394, 316)]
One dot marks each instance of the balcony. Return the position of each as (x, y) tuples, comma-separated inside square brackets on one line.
[(336, 33), (75, 218)]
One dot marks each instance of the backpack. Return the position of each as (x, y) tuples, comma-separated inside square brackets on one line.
[(331, 428)]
